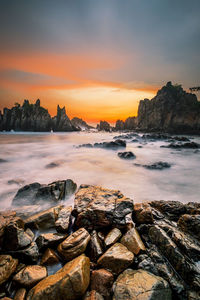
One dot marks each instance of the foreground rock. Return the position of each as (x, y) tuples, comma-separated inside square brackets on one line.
[(64, 219), (112, 237), (70, 282), (75, 244), (96, 207), (30, 275), (7, 267), (101, 282), (133, 241), (46, 240), (139, 284), (116, 259)]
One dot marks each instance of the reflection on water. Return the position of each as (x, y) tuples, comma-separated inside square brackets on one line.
[(47, 157)]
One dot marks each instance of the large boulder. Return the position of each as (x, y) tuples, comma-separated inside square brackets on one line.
[(69, 283), (30, 275), (8, 266), (97, 207), (75, 244), (140, 285), (116, 259)]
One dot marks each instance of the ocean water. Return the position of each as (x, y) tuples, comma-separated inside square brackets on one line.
[(24, 159)]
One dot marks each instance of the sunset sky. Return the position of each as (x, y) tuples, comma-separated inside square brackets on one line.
[(96, 57)]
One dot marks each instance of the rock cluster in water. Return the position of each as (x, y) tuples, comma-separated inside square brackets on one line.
[(33, 117), (106, 247)]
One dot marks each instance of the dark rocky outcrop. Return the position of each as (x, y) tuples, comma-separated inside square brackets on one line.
[(160, 165), (81, 124), (129, 124), (126, 155), (171, 110), (106, 145), (33, 117), (104, 126)]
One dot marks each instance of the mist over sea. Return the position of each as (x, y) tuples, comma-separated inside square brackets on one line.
[(46, 157)]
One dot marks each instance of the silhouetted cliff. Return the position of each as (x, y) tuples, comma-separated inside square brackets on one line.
[(79, 123)]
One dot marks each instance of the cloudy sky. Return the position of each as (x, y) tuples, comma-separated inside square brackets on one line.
[(96, 57)]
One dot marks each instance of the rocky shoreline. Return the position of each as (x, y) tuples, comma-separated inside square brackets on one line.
[(105, 247)]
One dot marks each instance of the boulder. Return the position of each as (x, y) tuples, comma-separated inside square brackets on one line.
[(8, 266), (30, 275), (97, 207), (75, 244), (64, 219), (101, 282), (190, 224), (142, 213), (126, 155), (116, 259), (46, 240), (69, 283), (95, 246), (49, 258), (111, 145), (140, 284), (133, 241), (20, 294), (112, 237)]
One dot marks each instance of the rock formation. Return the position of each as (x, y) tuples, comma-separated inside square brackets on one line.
[(79, 123), (33, 117), (104, 126), (171, 110)]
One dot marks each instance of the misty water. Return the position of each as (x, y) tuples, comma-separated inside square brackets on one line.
[(24, 159)]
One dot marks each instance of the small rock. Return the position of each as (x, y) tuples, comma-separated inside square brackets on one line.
[(142, 213), (8, 266), (112, 237), (116, 259), (140, 284), (133, 241), (28, 254), (64, 219), (70, 282), (126, 155), (30, 275), (160, 165), (46, 240), (111, 145), (49, 258), (75, 244), (20, 294), (95, 246), (101, 282), (93, 295)]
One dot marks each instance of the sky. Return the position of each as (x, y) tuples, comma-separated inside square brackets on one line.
[(97, 58)]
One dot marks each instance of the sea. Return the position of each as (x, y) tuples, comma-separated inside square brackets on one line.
[(27, 157)]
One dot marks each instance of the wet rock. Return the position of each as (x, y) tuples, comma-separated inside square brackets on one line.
[(190, 224), (93, 295), (29, 254), (75, 244), (95, 245), (20, 294), (126, 155), (142, 213), (64, 219), (49, 258), (70, 282), (132, 241), (158, 166), (116, 259), (101, 282), (96, 207), (172, 209), (26, 211), (188, 145), (43, 220), (111, 145), (140, 284), (112, 237), (46, 240), (26, 194), (7, 267), (30, 275)]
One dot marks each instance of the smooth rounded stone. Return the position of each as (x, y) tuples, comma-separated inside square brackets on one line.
[(20, 294), (75, 244), (96, 207), (95, 245), (190, 224), (64, 219), (112, 237), (69, 283), (93, 295), (8, 266), (46, 240), (49, 258), (140, 285), (126, 155), (45, 219), (102, 281), (132, 241), (142, 213), (30, 275), (116, 259)]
